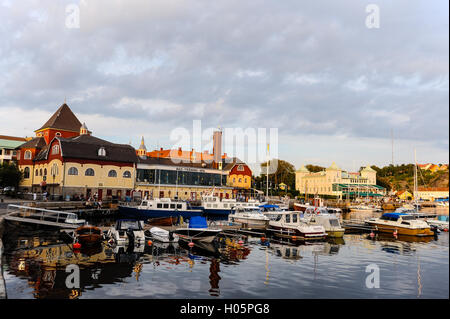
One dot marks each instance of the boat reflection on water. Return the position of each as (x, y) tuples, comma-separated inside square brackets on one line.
[(44, 266), (400, 245), (294, 250)]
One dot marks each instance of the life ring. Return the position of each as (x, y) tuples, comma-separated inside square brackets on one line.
[(316, 210)]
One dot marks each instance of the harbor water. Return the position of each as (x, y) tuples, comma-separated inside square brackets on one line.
[(35, 264)]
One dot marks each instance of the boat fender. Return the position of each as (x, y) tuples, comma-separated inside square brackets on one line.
[(191, 244), (149, 243)]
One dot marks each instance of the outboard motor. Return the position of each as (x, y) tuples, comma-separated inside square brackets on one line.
[(130, 235)]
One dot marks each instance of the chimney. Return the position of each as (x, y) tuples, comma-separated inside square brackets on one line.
[(217, 148)]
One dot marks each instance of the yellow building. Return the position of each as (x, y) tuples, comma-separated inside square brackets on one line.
[(80, 165), (405, 195), (334, 181)]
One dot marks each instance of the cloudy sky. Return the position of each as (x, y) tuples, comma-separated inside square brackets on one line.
[(333, 87)]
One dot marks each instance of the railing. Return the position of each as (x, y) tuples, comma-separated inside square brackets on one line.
[(39, 213)]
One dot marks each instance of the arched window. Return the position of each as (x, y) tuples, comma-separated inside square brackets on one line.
[(40, 172), (89, 172), (55, 149), (26, 172), (101, 151), (54, 170), (240, 180), (126, 174), (45, 172), (37, 173), (27, 155), (112, 173), (73, 171)]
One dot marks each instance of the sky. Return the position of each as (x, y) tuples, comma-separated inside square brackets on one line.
[(333, 88)]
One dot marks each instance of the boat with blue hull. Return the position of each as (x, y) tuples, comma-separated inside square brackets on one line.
[(159, 207)]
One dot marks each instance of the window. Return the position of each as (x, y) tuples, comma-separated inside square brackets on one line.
[(55, 149), (172, 206), (126, 174), (166, 206), (240, 168), (58, 134), (179, 206), (26, 172), (240, 180), (101, 151), (27, 155), (45, 172), (36, 173), (294, 218), (112, 173), (54, 170), (40, 172), (89, 172), (159, 205), (73, 171), (288, 218)]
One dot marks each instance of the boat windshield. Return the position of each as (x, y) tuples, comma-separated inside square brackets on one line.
[(407, 217), (334, 222), (127, 224)]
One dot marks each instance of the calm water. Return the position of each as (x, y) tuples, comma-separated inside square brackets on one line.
[(34, 267)]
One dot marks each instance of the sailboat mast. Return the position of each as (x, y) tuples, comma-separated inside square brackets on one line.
[(415, 178), (267, 173)]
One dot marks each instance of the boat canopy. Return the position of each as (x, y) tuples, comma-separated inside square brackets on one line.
[(394, 215), (198, 222), (269, 206)]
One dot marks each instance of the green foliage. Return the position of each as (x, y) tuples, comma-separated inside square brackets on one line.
[(314, 168), (10, 175)]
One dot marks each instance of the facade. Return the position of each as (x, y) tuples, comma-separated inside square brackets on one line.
[(334, 181), (432, 193), (64, 163), (404, 195), (188, 175), (8, 144)]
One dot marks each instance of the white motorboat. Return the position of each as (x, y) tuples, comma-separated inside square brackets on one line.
[(441, 222), (214, 205), (163, 235), (401, 223), (365, 208), (329, 221), (73, 219), (127, 232), (251, 217), (289, 225)]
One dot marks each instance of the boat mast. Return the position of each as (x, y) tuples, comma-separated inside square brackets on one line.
[(415, 178), (267, 172)]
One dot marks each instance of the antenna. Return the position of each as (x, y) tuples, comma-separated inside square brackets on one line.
[(392, 140)]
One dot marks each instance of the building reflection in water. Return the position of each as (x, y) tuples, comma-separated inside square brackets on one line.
[(214, 277)]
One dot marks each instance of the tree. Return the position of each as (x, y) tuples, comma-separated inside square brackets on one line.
[(285, 173), (10, 175), (314, 168)]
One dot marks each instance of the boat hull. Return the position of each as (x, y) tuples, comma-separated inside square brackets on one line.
[(285, 232), (133, 212), (163, 221), (221, 212), (197, 234), (335, 233), (403, 230), (250, 222)]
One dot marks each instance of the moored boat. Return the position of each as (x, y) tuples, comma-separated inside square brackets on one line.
[(159, 207), (402, 224), (127, 232), (88, 234), (162, 235), (289, 225), (251, 217), (329, 221), (197, 230)]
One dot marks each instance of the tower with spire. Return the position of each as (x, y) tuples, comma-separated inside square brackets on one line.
[(142, 151)]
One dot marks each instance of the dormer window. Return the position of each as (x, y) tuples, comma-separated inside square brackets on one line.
[(240, 168), (101, 151), (55, 149), (27, 155)]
